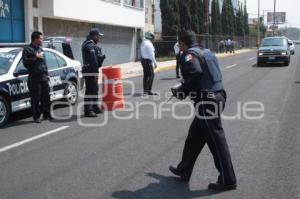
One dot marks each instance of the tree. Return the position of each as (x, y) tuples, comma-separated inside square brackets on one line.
[(240, 30), (170, 19), (201, 17), (185, 15), (246, 25), (216, 25), (228, 18), (194, 9)]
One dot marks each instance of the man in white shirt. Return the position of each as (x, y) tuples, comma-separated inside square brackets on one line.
[(177, 53), (148, 62)]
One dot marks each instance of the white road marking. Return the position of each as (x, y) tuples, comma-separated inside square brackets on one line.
[(15, 145), (231, 66), (252, 58)]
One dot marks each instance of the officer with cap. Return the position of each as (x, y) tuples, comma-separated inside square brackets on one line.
[(92, 61), (202, 81), (148, 63), (33, 58)]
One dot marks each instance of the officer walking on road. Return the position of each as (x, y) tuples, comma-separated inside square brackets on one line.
[(34, 60), (148, 63), (202, 81), (92, 61)]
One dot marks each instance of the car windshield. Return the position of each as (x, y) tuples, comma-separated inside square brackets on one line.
[(6, 60), (274, 42)]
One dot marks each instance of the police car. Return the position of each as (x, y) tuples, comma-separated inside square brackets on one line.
[(65, 77)]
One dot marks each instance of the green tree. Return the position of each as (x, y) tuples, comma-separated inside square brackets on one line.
[(170, 17), (246, 25), (201, 17), (185, 15), (228, 18), (216, 25), (240, 30), (194, 9)]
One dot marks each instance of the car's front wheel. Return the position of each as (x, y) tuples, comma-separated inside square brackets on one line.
[(4, 111), (71, 93)]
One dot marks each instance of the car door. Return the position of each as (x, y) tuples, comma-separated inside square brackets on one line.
[(57, 72), (19, 91)]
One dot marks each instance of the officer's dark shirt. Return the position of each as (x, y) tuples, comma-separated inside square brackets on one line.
[(200, 71), (35, 66), (91, 54), (191, 71)]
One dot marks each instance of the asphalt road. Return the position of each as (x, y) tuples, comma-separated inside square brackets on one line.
[(129, 157)]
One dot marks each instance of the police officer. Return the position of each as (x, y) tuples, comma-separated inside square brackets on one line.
[(34, 60), (148, 63), (92, 61), (203, 83)]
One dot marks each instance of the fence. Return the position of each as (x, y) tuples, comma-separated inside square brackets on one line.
[(165, 46)]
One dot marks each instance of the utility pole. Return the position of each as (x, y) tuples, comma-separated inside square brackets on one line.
[(274, 20), (258, 25)]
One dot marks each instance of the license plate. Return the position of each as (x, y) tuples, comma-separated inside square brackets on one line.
[(271, 58)]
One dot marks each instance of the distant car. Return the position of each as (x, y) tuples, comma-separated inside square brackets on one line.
[(274, 50), (297, 42), (65, 75), (292, 47)]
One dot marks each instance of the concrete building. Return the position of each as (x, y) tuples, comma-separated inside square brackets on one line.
[(149, 15), (121, 21)]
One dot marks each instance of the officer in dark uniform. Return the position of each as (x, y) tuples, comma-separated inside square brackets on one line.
[(203, 83), (92, 61), (34, 60)]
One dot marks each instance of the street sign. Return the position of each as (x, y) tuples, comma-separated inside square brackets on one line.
[(280, 17)]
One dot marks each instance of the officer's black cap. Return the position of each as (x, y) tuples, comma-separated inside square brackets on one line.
[(95, 31)]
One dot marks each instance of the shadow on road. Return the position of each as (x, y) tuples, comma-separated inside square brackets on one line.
[(167, 187)]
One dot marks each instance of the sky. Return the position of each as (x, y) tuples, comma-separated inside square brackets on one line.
[(291, 7)]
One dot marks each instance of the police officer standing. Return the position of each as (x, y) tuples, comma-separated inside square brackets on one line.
[(92, 61), (148, 63), (203, 83), (34, 60)]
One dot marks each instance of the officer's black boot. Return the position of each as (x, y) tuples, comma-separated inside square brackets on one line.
[(184, 177)]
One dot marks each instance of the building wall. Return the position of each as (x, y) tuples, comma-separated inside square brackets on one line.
[(124, 14), (149, 15), (157, 17), (118, 43)]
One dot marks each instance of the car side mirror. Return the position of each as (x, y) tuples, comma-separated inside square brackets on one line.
[(290, 43), (20, 72)]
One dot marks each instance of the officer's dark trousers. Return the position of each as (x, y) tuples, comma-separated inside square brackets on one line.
[(205, 130), (39, 95), (177, 64), (91, 98), (148, 74)]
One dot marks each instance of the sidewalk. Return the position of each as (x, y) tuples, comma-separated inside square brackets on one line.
[(133, 69)]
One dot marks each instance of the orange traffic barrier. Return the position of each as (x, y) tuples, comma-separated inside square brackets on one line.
[(112, 89)]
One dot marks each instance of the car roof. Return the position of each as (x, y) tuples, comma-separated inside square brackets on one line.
[(277, 37), (9, 49)]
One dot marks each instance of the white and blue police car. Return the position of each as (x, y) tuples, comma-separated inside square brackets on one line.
[(65, 78)]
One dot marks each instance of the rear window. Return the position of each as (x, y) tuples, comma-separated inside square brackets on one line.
[(274, 42), (6, 60)]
